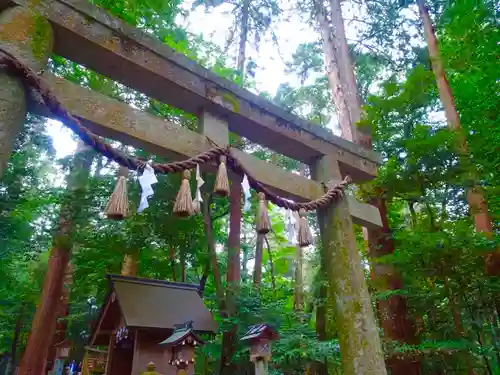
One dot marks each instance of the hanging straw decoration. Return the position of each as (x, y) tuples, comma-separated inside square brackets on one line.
[(221, 182), (304, 235), (117, 206), (198, 198), (262, 220), (196, 206), (183, 206)]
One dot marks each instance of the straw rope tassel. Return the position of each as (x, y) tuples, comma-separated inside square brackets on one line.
[(34, 81), (304, 235), (117, 206), (262, 220), (221, 181), (183, 206)]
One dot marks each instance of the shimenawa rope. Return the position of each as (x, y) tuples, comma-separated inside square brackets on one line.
[(34, 81)]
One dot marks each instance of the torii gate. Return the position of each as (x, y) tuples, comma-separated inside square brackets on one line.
[(89, 36)]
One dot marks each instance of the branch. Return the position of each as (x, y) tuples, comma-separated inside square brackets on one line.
[(217, 217), (355, 19), (212, 253), (210, 200), (157, 110)]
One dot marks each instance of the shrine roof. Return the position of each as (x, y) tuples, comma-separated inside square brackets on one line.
[(259, 331), (180, 333), (152, 303), (148, 303)]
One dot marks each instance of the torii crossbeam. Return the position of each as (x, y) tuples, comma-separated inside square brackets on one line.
[(89, 36)]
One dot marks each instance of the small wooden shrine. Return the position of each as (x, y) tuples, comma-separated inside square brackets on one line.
[(260, 337), (181, 346), (139, 315)]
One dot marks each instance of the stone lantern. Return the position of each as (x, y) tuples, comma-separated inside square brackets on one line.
[(181, 345), (260, 337)]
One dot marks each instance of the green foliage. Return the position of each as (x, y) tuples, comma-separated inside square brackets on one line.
[(27, 204), (470, 47), (437, 253), (153, 15)]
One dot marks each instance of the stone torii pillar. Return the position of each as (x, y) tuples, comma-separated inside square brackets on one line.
[(359, 340), (29, 37)]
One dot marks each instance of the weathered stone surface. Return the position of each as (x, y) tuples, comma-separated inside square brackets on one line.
[(29, 37), (90, 36), (110, 118), (12, 114), (357, 331)]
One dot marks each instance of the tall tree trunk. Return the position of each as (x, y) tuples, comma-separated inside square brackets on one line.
[(475, 196), (348, 78), (233, 270), (172, 263), (413, 214), (476, 312), (321, 368), (244, 259), (129, 265), (245, 9), (321, 303), (298, 289), (333, 73), (62, 314), (219, 291), (233, 274), (457, 320), (257, 271), (182, 259), (11, 365), (33, 362), (271, 264), (393, 312), (204, 278)]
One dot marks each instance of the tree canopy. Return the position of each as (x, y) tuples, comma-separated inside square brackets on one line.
[(452, 302)]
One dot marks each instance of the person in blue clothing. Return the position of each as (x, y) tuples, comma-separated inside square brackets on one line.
[(72, 367)]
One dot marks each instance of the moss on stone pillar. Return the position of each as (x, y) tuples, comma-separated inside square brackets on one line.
[(29, 37), (358, 335)]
